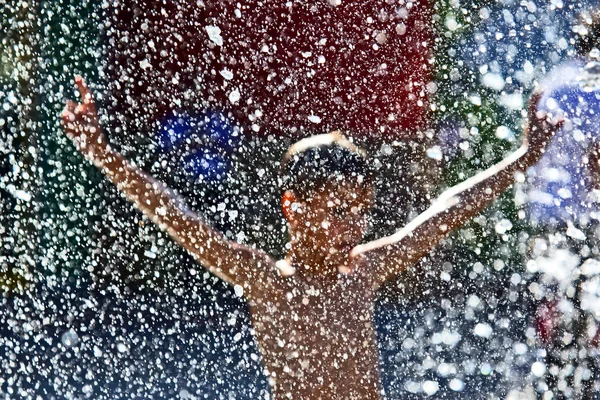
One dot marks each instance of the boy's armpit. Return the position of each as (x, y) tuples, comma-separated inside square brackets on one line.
[(383, 262), (247, 268)]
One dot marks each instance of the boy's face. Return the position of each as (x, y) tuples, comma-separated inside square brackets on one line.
[(333, 220)]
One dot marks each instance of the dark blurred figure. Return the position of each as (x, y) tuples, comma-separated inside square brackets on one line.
[(563, 206)]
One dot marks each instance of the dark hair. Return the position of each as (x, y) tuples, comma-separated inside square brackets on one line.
[(312, 162), (587, 29)]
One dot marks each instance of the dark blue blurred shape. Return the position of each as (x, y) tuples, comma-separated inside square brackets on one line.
[(206, 164), (173, 131), (220, 130), (202, 143)]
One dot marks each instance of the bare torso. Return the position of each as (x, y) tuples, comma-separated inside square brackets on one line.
[(318, 338)]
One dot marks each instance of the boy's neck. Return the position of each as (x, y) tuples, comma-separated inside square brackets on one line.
[(308, 262)]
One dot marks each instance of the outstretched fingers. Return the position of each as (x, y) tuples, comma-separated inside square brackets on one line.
[(80, 120), (68, 113), (69, 119), (541, 125), (556, 124), (533, 102), (86, 95)]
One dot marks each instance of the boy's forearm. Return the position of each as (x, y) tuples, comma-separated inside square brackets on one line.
[(154, 199), (453, 209), (148, 194), (474, 194), (464, 201), (478, 191)]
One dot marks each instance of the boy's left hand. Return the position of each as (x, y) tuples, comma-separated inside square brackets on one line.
[(540, 126), (81, 122)]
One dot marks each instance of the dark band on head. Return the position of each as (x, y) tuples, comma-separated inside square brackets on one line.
[(317, 160)]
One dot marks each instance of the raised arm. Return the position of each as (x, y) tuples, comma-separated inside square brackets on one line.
[(228, 260), (458, 204)]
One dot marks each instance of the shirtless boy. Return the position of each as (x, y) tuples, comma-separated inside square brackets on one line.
[(312, 312)]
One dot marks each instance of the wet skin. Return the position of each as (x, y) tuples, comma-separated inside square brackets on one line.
[(314, 324)]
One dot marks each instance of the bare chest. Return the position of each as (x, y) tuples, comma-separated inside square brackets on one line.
[(305, 313), (318, 335)]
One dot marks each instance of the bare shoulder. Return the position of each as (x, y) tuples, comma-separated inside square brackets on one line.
[(373, 264), (256, 270), (363, 265)]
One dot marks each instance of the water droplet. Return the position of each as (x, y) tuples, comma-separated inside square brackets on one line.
[(214, 34)]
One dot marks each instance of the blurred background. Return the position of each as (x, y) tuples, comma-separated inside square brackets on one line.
[(206, 96)]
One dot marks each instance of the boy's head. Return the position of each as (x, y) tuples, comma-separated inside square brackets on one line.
[(587, 31), (318, 160), (328, 188)]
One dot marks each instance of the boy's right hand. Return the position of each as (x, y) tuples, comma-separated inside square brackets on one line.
[(540, 127), (80, 121)]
